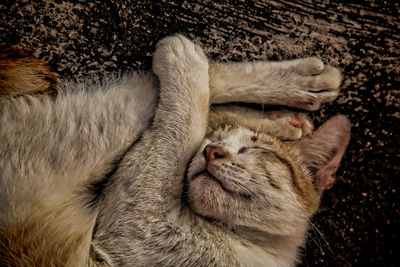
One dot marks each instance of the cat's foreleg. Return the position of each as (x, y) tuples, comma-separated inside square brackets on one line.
[(181, 116), (180, 121), (283, 124), (144, 195), (301, 83)]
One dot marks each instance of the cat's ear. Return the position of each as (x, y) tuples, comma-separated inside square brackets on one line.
[(324, 148)]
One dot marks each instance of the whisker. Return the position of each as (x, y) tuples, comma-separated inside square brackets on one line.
[(316, 230), (316, 243), (259, 124)]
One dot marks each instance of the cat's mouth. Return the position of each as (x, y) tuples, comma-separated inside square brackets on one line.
[(200, 169), (207, 175), (222, 182)]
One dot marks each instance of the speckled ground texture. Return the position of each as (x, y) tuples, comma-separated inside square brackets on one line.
[(359, 217)]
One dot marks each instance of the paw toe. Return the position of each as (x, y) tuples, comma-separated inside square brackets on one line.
[(332, 76), (307, 124), (275, 114), (314, 66), (294, 121), (301, 122), (330, 79), (310, 66)]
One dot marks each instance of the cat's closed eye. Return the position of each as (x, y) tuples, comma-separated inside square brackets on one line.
[(243, 149)]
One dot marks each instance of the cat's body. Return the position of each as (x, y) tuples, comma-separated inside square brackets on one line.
[(100, 176)]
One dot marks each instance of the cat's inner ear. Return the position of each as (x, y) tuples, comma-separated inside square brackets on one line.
[(323, 150)]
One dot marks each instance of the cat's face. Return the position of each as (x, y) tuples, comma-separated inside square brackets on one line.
[(247, 179), (252, 180)]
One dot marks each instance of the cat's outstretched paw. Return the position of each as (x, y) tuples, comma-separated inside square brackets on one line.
[(288, 125), (319, 82), (176, 56)]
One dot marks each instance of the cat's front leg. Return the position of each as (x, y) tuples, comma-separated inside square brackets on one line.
[(152, 170), (301, 83), (282, 124), (182, 69), (144, 195)]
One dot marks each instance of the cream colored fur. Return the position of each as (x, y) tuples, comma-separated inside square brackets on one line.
[(97, 175)]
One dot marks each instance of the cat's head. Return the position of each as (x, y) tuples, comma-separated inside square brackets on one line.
[(248, 179)]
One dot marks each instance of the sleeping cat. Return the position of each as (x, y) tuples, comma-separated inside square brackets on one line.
[(129, 173)]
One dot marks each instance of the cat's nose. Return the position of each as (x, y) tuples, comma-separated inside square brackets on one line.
[(212, 152)]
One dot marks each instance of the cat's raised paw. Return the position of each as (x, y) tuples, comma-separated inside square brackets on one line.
[(176, 55)]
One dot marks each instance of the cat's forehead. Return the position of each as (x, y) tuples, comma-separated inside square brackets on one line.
[(238, 135), (229, 134)]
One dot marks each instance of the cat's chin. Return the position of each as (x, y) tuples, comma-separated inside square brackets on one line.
[(209, 178), (206, 176), (205, 193), (209, 195), (203, 185)]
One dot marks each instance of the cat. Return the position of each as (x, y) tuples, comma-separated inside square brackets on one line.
[(140, 171)]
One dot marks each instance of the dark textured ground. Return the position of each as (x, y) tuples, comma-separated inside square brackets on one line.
[(359, 216)]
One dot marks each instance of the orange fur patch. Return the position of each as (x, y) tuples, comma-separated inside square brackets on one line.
[(21, 73)]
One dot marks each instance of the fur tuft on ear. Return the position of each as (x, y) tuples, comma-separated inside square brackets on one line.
[(323, 150)]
